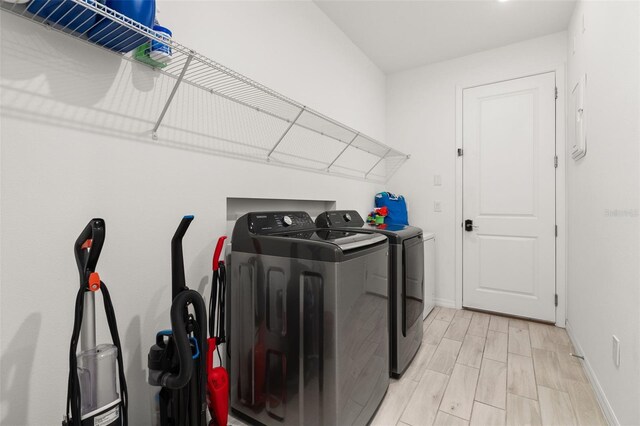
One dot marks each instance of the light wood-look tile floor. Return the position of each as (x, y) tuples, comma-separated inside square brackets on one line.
[(479, 369)]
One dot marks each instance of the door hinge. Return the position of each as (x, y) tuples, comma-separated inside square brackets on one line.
[(555, 161), (460, 152), (556, 300), (556, 231), (556, 93)]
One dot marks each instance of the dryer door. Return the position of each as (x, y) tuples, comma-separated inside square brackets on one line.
[(412, 282)]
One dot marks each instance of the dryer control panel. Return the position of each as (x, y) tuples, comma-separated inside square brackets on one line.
[(339, 219), (271, 222)]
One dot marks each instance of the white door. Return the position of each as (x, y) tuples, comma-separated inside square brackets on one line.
[(509, 195)]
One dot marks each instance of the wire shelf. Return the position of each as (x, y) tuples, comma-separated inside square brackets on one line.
[(296, 136)]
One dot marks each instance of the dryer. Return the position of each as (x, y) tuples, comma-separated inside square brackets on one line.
[(406, 281), (429, 239), (307, 308)]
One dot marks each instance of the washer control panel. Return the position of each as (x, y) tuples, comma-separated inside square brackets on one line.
[(272, 222)]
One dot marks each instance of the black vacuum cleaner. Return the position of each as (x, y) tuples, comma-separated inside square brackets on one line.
[(97, 390), (177, 360)]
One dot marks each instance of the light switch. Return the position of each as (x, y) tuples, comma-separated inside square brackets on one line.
[(437, 180), (437, 206)]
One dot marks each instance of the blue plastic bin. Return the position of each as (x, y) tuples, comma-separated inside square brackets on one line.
[(115, 36), (65, 13)]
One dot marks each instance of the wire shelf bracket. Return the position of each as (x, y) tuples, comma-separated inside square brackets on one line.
[(154, 132), (285, 132), (342, 152), (377, 162)]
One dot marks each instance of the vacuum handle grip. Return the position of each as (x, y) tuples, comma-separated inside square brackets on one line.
[(217, 251), (182, 228), (92, 237), (178, 280)]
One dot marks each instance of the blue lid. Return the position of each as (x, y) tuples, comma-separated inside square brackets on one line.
[(161, 29)]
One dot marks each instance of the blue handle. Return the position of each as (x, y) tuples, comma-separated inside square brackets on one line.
[(194, 341)]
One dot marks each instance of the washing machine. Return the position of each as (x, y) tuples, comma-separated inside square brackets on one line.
[(307, 310), (406, 281)]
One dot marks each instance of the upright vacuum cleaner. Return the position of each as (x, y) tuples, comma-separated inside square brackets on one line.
[(176, 360), (96, 390)]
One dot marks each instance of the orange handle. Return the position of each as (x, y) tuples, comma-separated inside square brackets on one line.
[(94, 281)]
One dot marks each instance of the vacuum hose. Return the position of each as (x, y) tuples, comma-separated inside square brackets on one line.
[(179, 311)]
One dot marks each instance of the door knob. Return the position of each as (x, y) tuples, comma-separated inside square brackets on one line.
[(469, 226)]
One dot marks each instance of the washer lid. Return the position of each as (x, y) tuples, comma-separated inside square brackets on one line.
[(346, 240), (396, 233)]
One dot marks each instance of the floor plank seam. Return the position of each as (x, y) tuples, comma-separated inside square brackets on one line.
[(453, 415), (441, 398)]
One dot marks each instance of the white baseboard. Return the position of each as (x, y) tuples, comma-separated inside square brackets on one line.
[(445, 303), (602, 398)]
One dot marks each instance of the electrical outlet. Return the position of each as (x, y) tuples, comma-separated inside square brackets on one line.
[(616, 351), (437, 206)]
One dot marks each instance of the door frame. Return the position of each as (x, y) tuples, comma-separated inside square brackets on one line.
[(560, 198)]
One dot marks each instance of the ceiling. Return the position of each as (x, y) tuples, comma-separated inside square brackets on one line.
[(398, 35)]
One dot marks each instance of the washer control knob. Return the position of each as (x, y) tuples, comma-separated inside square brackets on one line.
[(347, 217), (287, 221)]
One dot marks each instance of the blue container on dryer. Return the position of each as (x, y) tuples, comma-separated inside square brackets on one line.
[(114, 36), (66, 13)]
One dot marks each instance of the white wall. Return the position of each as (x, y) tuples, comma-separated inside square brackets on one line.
[(604, 198), (75, 144), (421, 119)]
